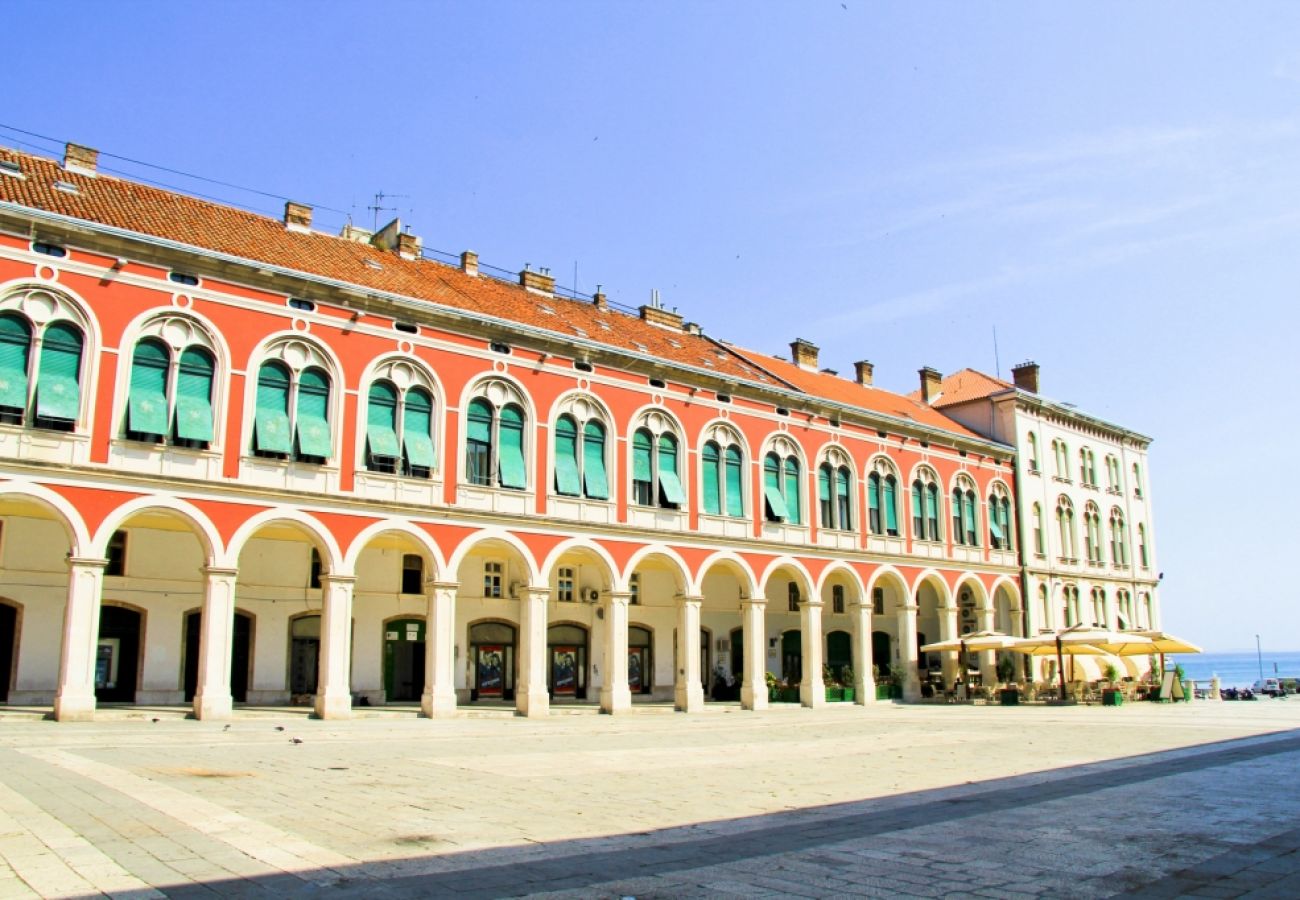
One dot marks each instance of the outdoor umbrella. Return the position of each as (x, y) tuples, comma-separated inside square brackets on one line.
[(1073, 641), (974, 642), (1162, 642)]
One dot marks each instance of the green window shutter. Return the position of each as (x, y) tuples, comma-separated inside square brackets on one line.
[(417, 429), (480, 421), (147, 402), (932, 511), (381, 421), (709, 466), (735, 482), (995, 527), (873, 493), (567, 480), (511, 451), (594, 477), (478, 442), (669, 483), (772, 488), (313, 425), (891, 505), (824, 483), (58, 389), (843, 506), (641, 448), (918, 509), (968, 517), (194, 395), (271, 431), (15, 352), (792, 491)]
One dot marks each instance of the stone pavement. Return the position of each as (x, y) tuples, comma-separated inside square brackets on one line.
[(1199, 799)]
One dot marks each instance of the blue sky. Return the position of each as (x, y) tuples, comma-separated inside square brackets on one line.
[(1114, 186)]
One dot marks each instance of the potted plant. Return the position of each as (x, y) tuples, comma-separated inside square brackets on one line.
[(897, 674), (772, 685), (831, 684), (1009, 692), (1111, 696), (847, 691), (788, 692), (884, 682)]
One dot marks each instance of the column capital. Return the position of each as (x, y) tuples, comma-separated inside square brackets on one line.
[(617, 596), (946, 609), (220, 572), (813, 601), (909, 608), (536, 593), (87, 562), (684, 599), (327, 578), (443, 585), (753, 601)]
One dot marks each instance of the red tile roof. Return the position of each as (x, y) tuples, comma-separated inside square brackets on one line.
[(209, 226), (963, 386)]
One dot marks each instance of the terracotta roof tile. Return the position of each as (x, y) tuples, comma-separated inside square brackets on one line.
[(963, 386)]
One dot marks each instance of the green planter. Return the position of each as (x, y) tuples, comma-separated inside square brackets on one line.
[(1009, 697), (1112, 697), (849, 694), (838, 694), (883, 691), (787, 695)]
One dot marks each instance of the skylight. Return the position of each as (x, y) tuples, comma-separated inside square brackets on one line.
[(67, 187)]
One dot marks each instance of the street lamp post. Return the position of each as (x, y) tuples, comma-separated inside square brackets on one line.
[(1260, 655)]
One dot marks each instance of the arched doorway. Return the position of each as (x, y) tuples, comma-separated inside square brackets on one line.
[(117, 657), (241, 639), (566, 672), (640, 660), (404, 659), (8, 647), (738, 655), (881, 653), (839, 653), (492, 653), (304, 656), (706, 674), (792, 657)]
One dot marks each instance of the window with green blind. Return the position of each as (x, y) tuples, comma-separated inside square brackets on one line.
[(968, 518), (891, 506), (873, 502), (595, 479), (843, 507), (478, 442), (995, 525), (734, 466), (792, 491), (932, 511), (669, 484), (271, 425), (567, 479), (918, 510), (146, 414), (776, 508), (711, 475), (642, 468), (313, 427), (58, 387), (958, 535), (417, 431), (511, 450), (381, 427), (194, 380), (824, 479), (15, 354)]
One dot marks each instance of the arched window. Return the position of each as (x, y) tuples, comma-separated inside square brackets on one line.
[(1092, 533), (494, 441), (399, 430), (291, 418), (781, 478), (1033, 452), (1062, 459), (1070, 594), (581, 461), (52, 399), (1137, 480), (1038, 530), (882, 499), (1065, 522), (1001, 534), (1098, 607), (722, 471), (656, 477), (1118, 538), (925, 506), (792, 597), (1142, 546), (173, 372), (964, 528), (1045, 605), (835, 491)]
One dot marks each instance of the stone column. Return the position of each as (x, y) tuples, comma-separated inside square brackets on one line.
[(75, 699), (439, 697), (753, 690), (212, 698), (688, 693), (334, 682), (988, 658), (615, 695), (531, 698), (907, 652), (864, 680), (948, 632), (812, 688)]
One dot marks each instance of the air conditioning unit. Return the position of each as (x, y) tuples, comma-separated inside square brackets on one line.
[(593, 595), (724, 645), (516, 587)]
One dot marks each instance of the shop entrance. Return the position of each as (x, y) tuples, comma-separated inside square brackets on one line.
[(567, 673), (881, 654), (117, 656), (304, 654), (404, 659), (640, 660), (792, 657), (839, 653), (492, 651), (241, 638), (8, 647)]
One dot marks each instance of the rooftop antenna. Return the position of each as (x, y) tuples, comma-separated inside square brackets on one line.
[(997, 364), (379, 207), (655, 303)]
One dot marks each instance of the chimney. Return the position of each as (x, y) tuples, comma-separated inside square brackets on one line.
[(469, 262), (543, 282), (930, 379), (657, 315), (79, 159), (804, 354), (1025, 376), (599, 299), (864, 371), (408, 246), (297, 216)]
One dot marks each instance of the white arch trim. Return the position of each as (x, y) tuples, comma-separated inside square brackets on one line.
[(332, 557), (836, 568), (889, 573), (984, 597), (786, 562), (557, 553), (395, 526), (207, 533), (67, 514), (932, 575), (667, 553), (468, 545), (749, 585)]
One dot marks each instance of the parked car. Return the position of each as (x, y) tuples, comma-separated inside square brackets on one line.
[(1270, 686)]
